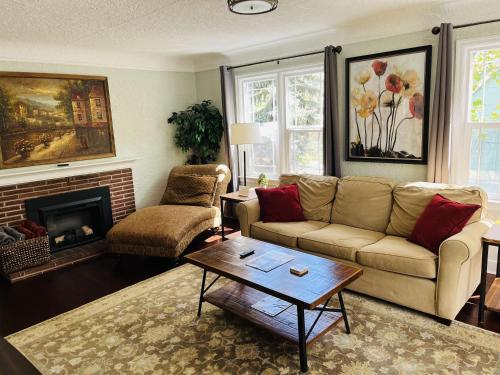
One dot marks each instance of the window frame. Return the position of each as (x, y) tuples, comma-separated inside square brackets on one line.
[(284, 134), (462, 126)]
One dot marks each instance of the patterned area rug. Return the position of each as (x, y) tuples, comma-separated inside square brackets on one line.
[(150, 328)]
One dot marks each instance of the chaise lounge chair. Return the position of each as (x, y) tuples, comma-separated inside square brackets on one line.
[(190, 206)]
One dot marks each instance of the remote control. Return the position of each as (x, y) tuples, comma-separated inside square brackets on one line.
[(247, 253)]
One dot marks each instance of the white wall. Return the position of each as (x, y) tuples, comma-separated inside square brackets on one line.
[(208, 80), (141, 102), (208, 85)]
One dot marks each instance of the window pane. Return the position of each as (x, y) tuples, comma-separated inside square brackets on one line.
[(263, 155), (484, 167), (306, 152), (484, 95), (304, 100), (259, 102)]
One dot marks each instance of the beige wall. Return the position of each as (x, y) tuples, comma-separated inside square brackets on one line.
[(208, 81), (141, 102)]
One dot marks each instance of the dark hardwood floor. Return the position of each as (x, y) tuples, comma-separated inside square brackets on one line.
[(35, 300)]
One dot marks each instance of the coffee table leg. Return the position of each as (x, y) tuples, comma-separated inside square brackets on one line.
[(344, 313), (201, 292), (302, 339)]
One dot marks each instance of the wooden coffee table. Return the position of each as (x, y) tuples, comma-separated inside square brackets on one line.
[(310, 293)]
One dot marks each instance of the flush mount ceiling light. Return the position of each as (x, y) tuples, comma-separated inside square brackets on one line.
[(252, 6)]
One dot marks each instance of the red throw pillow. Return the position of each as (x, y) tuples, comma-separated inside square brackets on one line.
[(442, 218), (281, 204)]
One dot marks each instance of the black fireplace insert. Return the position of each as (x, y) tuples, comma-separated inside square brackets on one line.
[(73, 218)]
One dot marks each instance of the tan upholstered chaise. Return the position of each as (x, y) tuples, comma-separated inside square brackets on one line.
[(167, 229), (364, 221)]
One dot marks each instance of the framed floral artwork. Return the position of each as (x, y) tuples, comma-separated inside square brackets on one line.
[(387, 106)]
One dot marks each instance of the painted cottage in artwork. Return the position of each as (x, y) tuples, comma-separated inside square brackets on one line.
[(79, 106), (97, 108), (91, 110)]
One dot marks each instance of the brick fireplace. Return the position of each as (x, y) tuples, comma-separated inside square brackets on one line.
[(120, 183), (13, 209)]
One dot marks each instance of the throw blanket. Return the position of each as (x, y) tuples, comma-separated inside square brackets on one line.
[(5, 239), (14, 233)]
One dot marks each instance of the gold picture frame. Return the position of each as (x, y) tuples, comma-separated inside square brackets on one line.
[(50, 118)]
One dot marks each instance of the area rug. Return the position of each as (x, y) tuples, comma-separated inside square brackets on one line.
[(151, 328)]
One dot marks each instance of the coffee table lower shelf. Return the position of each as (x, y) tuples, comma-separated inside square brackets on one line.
[(238, 299)]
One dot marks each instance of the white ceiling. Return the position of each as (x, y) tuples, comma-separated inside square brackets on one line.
[(173, 29)]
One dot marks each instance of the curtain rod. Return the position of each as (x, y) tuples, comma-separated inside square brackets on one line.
[(337, 49), (437, 29)]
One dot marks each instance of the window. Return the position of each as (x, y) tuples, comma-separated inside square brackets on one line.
[(80, 118), (288, 106), (477, 116), (97, 102), (99, 115)]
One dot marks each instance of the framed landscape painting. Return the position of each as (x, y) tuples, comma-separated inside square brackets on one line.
[(53, 118), (387, 106)]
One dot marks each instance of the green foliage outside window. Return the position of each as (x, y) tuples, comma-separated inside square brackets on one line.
[(485, 73)]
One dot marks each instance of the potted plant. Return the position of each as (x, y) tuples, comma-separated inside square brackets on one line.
[(263, 180), (198, 131)]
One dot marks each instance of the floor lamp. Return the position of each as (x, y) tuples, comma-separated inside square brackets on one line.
[(245, 134)]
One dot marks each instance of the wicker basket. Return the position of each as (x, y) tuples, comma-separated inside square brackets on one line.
[(24, 254)]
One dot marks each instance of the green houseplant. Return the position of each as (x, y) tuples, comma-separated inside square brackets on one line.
[(198, 131), (263, 180)]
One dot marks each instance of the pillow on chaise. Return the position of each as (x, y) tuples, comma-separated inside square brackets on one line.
[(441, 219), (281, 204), (190, 189)]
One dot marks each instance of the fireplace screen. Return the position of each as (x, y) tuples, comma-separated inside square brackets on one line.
[(73, 218)]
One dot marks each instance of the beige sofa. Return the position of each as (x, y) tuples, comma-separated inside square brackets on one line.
[(364, 221)]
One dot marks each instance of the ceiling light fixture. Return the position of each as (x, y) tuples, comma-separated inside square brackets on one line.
[(252, 6)]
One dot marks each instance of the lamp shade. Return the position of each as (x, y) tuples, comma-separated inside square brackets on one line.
[(245, 134)]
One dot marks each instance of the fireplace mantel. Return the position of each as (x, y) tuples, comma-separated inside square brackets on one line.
[(47, 172)]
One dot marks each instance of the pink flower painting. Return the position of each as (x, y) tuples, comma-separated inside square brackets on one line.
[(387, 112)]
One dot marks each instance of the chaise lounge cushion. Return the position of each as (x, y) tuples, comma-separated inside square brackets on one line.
[(161, 230), (397, 254), (190, 189), (285, 234), (339, 241)]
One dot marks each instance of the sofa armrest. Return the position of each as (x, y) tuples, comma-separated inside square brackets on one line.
[(459, 268), (248, 212)]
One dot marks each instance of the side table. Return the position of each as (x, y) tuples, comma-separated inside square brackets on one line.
[(490, 299), (234, 198)]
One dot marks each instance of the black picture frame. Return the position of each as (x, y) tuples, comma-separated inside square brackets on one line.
[(427, 50)]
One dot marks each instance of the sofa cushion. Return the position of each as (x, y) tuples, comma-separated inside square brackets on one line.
[(190, 189), (410, 200), (339, 241), (285, 234), (441, 219), (363, 202), (281, 204), (316, 194), (396, 254), (161, 230)]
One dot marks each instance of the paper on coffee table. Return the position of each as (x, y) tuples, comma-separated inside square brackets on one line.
[(271, 306), (269, 261)]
